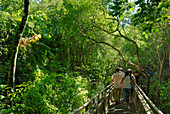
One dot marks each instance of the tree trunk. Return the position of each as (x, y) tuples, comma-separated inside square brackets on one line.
[(147, 85), (160, 74), (14, 53), (169, 53)]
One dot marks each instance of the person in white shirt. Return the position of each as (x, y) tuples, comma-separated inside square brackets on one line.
[(116, 78)]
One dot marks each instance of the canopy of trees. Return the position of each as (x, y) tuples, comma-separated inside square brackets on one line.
[(57, 54)]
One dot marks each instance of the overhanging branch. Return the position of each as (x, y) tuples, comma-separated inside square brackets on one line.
[(136, 46), (130, 63), (121, 35), (87, 36)]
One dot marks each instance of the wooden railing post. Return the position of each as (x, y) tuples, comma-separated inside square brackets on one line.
[(108, 102), (104, 106), (107, 97), (86, 108), (112, 93)]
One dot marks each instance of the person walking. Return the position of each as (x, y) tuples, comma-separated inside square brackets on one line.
[(133, 81), (126, 81), (150, 73), (116, 78)]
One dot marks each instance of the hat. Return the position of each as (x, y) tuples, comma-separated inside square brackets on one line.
[(121, 68), (129, 70)]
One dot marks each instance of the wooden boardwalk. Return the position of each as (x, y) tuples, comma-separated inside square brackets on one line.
[(120, 108), (103, 103)]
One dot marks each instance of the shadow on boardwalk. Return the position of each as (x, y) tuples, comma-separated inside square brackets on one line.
[(120, 108)]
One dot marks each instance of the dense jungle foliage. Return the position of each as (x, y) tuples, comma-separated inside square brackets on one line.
[(57, 55)]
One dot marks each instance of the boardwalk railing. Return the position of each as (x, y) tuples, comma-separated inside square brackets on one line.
[(99, 103), (143, 103)]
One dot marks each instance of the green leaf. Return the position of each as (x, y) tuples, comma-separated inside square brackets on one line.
[(131, 9), (121, 17), (49, 36), (146, 35)]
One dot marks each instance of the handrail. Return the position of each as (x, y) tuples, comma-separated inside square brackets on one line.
[(148, 100), (107, 89), (143, 103)]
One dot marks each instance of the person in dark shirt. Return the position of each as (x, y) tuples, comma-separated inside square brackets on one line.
[(150, 73)]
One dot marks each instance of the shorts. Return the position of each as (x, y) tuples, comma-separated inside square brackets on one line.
[(127, 93), (117, 92)]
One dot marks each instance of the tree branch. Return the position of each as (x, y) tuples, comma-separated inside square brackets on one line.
[(109, 32), (121, 35), (155, 49), (152, 59), (137, 49), (136, 66), (87, 36)]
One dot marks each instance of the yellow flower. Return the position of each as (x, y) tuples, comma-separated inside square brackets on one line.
[(30, 41), (36, 38), (34, 41), (39, 35)]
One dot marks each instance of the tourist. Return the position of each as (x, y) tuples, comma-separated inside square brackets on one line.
[(133, 81), (126, 81), (116, 78)]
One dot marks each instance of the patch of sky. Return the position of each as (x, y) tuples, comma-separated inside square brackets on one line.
[(38, 1)]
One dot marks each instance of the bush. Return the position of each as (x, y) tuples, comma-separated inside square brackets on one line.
[(54, 93)]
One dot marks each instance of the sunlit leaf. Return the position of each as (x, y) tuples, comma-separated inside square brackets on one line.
[(121, 17), (131, 9)]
